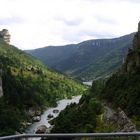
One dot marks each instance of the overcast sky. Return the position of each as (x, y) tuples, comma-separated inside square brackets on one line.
[(39, 23)]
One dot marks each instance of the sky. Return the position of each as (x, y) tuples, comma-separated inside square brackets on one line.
[(39, 23)]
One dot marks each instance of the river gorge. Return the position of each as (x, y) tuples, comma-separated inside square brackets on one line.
[(61, 105)]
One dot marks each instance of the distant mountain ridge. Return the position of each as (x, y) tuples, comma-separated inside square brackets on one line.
[(86, 60)]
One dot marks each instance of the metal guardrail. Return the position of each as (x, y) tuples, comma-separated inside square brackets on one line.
[(118, 135)]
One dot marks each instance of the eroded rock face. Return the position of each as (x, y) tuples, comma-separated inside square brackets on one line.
[(1, 90), (4, 34), (132, 61), (123, 122), (136, 40)]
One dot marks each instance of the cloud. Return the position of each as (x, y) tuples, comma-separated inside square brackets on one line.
[(132, 1), (72, 22), (105, 20), (97, 34), (11, 20), (38, 23), (69, 22)]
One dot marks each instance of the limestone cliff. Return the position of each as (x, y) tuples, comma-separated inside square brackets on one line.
[(4, 34), (1, 90), (121, 120), (132, 61)]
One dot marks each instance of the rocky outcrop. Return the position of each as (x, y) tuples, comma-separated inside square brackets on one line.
[(1, 90), (50, 116), (132, 61), (123, 122), (136, 40), (55, 111), (36, 118), (41, 129), (4, 34), (32, 112)]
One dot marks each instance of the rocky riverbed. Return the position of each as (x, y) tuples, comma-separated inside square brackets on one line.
[(52, 112), (120, 119)]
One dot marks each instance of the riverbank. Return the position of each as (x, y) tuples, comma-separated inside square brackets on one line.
[(44, 119)]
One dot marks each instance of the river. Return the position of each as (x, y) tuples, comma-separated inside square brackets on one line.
[(88, 83), (61, 105)]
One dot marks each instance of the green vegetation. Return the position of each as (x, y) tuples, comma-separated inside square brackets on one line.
[(123, 91), (87, 60), (28, 84), (120, 90), (78, 118)]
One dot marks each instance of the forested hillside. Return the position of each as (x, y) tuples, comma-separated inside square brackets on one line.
[(87, 60), (120, 92), (81, 118), (123, 88), (26, 85)]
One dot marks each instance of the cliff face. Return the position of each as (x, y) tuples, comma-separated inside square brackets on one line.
[(1, 90), (4, 34), (123, 88), (132, 61)]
